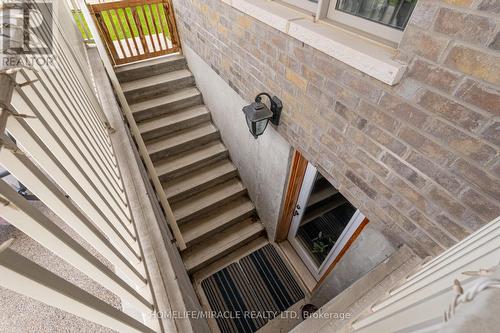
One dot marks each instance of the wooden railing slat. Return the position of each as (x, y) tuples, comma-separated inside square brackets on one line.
[(140, 30), (120, 24), (153, 34), (172, 27), (129, 26), (103, 29), (158, 23), (115, 32)]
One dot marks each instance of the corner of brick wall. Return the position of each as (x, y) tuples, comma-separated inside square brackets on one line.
[(419, 159)]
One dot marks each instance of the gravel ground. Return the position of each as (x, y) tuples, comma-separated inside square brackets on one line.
[(19, 314)]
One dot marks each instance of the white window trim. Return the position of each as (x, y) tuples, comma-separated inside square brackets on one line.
[(303, 4), (326, 10), (374, 28), (368, 56)]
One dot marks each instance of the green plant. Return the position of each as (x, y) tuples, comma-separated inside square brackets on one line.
[(322, 244)]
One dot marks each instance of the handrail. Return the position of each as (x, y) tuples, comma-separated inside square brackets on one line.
[(28, 278), (426, 295)]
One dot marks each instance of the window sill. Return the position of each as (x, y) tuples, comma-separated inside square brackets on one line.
[(368, 56)]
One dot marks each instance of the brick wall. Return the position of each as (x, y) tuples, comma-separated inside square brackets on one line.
[(419, 159)]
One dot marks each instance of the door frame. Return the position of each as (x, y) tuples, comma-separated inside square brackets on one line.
[(296, 176), (298, 169)]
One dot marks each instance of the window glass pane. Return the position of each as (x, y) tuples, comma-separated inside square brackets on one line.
[(393, 13), (326, 215)]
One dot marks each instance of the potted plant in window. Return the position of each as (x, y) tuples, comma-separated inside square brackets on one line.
[(322, 245)]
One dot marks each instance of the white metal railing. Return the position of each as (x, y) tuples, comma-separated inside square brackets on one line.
[(420, 303), (80, 21), (55, 140)]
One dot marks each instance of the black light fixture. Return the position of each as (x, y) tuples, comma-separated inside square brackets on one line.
[(258, 114)]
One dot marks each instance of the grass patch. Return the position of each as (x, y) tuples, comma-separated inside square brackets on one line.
[(121, 23), (82, 24)]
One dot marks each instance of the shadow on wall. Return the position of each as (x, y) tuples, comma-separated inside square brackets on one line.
[(368, 250), (263, 164)]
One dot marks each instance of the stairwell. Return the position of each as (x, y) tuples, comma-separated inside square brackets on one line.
[(208, 199)]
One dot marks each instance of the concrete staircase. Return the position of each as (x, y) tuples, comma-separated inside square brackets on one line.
[(209, 201)]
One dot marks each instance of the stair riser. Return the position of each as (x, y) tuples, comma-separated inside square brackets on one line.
[(184, 146), (194, 166), (176, 127), (142, 94), (206, 210), (220, 228), (167, 108), (211, 182), (142, 73), (224, 253)]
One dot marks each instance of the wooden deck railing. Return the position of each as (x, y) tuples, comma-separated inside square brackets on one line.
[(135, 30)]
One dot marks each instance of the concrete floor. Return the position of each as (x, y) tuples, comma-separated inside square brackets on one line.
[(19, 314)]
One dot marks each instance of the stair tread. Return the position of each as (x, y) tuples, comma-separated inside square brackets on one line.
[(169, 119), (207, 198), (166, 99), (199, 227), (180, 137), (198, 177), (220, 243), (169, 164), (155, 80), (148, 63)]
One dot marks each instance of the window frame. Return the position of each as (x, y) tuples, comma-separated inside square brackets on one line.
[(332, 14), (355, 224), (306, 5), (326, 11)]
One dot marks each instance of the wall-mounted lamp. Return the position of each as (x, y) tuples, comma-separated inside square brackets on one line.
[(258, 114)]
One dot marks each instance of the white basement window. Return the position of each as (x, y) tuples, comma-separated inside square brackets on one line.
[(383, 18)]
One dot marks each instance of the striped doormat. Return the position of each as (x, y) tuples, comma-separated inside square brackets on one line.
[(247, 294)]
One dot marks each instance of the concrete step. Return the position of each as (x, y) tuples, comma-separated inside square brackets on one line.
[(181, 141), (181, 164), (158, 85), (207, 201), (178, 100), (144, 69), (227, 240), (175, 121), (201, 229), (199, 180)]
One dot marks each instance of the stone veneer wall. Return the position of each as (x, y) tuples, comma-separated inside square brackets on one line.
[(419, 159)]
